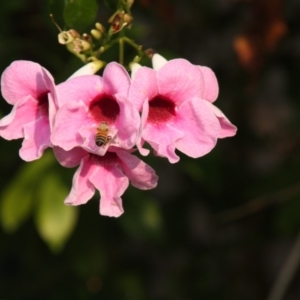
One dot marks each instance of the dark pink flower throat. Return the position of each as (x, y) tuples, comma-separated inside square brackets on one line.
[(161, 109), (104, 108), (43, 103)]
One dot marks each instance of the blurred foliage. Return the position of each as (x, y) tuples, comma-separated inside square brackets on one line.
[(32, 194), (54, 221), (169, 244), (80, 13), (74, 14), (18, 203)]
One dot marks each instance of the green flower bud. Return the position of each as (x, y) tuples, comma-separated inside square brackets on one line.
[(100, 27), (75, 34), (80, 45), (89, 69), (127, 19), (96, 34)]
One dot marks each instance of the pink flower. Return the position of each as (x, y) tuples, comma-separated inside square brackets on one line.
[(31, 90), (110, 174), (85, 102), (176, 99)]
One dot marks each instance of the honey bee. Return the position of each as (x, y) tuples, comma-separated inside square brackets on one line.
[(102, 137)]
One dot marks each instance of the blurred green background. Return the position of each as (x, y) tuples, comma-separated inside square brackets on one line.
[(219, 227)]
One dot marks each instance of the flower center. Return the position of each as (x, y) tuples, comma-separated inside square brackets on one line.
[(161, 109), (110, 158), (43, 103), (104, 108)]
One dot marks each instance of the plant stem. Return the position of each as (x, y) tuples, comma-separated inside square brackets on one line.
[(121, 51), (137, 47)]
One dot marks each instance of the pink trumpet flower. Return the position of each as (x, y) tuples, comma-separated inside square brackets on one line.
[(175, 100), (110, 174), (87, 102), (31, 90)]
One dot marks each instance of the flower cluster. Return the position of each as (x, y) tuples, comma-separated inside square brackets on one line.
[(98, 122)]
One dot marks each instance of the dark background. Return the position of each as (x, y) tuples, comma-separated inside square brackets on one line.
[(219, 227)]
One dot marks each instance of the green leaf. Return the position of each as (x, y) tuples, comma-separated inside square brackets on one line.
[(79, 14), (17, 200), (111, 4), (54, 220)]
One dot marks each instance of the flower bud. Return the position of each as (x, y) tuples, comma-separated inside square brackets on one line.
[(65, 37), (158, 61), (75, 34), (134, 67), (117, 22), (89, 69), (127, 19), (101, 49), (100, 27), (80, 45), (87, 38), (136, 59), (96, 34)]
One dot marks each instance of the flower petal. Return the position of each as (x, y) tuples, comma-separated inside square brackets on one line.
[(143, 86), (36, 139), (111, 183), (201, 128), (69, 159), (211, 84), (140, 141), (69, 119), (23, 78), (162, 139), (141, 175), (127, 122), (82, 189), (227, 128), (116, 79), (23, 112), (179, 81), (83, 88)]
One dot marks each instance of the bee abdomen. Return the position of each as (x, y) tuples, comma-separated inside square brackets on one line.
[(100, 140)]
